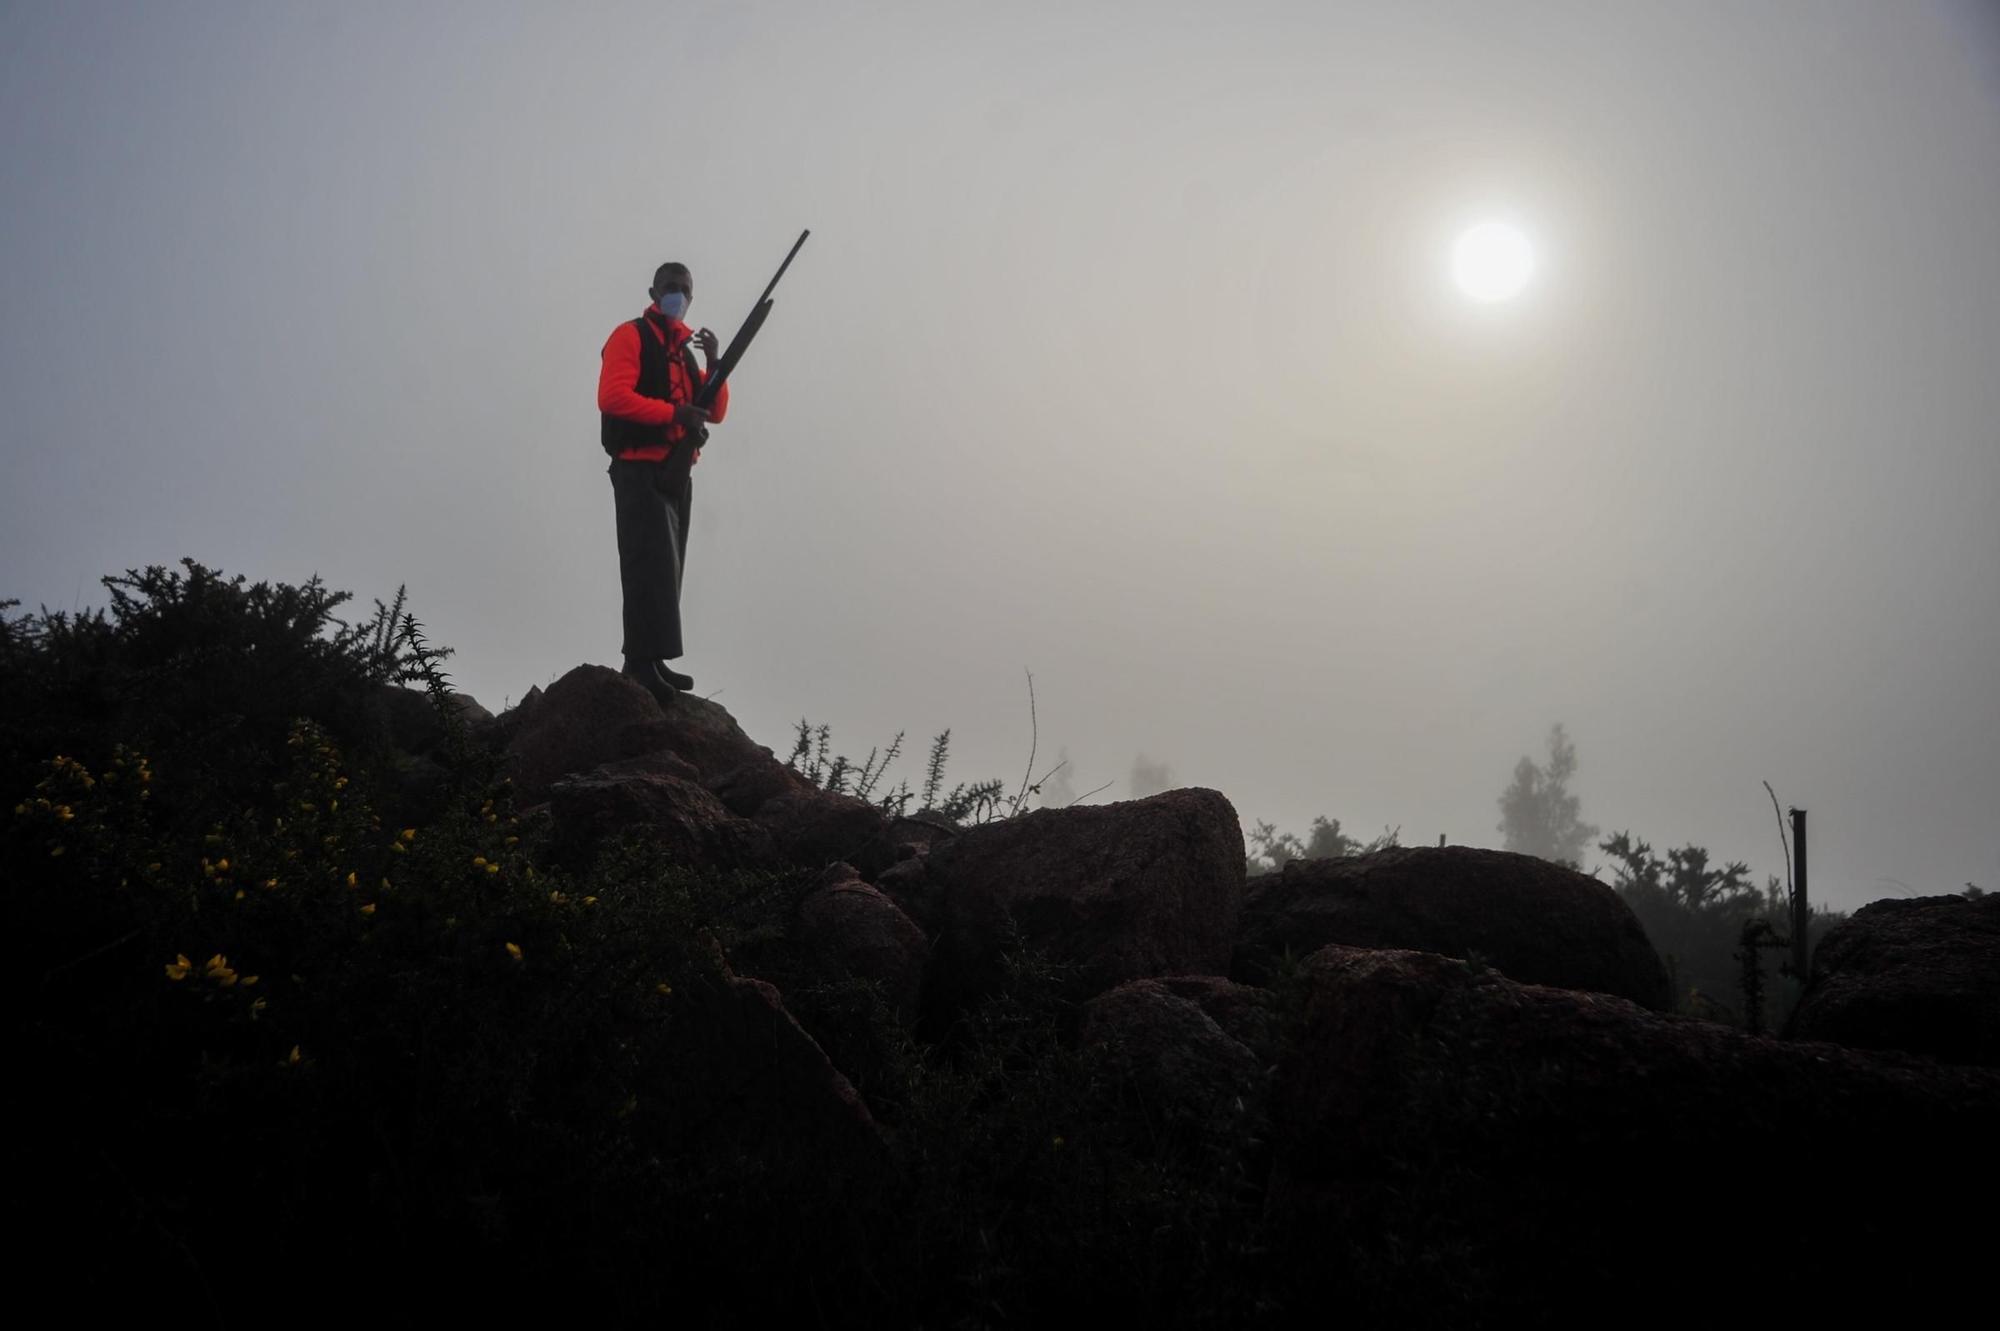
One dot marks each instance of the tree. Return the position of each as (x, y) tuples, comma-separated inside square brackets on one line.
[(1538, 815), (1150, 776)]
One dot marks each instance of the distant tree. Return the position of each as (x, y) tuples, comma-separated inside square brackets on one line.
[(1150, 777), (1271, 850), (1538, 815)]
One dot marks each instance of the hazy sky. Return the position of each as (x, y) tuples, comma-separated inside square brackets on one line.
[(1124, 350)]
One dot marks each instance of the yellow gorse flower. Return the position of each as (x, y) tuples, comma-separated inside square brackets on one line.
[(178, 968), (217, 969), (514, 951)]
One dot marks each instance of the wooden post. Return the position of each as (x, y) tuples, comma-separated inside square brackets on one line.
[(1801, 911)]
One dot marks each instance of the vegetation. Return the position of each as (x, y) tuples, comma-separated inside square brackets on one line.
[(283, 1049), (1538, 815)]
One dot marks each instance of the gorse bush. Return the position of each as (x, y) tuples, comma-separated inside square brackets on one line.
[(203, 673)]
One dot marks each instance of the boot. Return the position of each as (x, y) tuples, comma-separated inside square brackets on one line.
[(648, 675), (675, 677)]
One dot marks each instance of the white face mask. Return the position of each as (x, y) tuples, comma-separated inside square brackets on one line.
[(673, 304)]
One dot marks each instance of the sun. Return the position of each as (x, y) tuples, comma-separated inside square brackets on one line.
[(1492, 261)]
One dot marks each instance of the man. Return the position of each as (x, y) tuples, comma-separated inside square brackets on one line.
[(653, 431)]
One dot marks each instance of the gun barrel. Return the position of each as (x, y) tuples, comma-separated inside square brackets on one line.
[(747, 333)]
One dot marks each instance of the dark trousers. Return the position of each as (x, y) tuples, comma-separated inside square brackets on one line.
[(653, 506)]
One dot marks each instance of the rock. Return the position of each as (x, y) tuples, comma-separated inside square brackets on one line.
[(921, 829), (816, 827), (1173, 1062), (750, 785), (1438, 1122), (411, 719), (674, 813), (1531, 920), (1921, 975), (855, 930), (749, 1066), (591, 715), (1245, 1013), (1118, 891), (704, 733)]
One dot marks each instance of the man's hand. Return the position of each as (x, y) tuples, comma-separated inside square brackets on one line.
[(688, 416), (709, 344)]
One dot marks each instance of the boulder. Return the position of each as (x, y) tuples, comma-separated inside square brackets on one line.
[(852, 929), (1116, 892), (743, 1064), (816, 827), (751, 784), (410, 719), (1440, 1132), (1245, 1013), (591, 715), (1921, 975), (1531, 920), (672, 812), (704, 733), (1172, 1062)]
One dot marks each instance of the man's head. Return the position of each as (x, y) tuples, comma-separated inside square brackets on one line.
[(670, 278)]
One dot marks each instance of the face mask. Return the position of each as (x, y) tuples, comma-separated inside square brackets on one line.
[(673, 304)]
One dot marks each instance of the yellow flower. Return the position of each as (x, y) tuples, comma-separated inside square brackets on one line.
[(178, 968), (249, 980), (218, 970), (558, 898), (514, 951), (590, 901), (663, 989), (479, 861), (63, 812), (512, 840), (368, 909), (55, 853), (222, 865), (294, 1058), (257, 1008), (385, 885), (396, 846), (270, 882), (350, 878), (493, 868), (409, 834), (1057, 1143)]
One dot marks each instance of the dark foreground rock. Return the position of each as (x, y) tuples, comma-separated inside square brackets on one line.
[(744, 1066), (1174, 1063), (1446, 1139), (855, 931), (1920, 975), (818, 827), (1531, 920), (1118, 891), (590, 716), (644, 797)]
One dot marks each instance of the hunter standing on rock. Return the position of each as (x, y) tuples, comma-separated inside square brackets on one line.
[(653, 432)]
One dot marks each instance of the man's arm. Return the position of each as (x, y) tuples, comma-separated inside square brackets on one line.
[(618, 382)]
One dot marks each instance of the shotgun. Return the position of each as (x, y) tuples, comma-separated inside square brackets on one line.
[(682, 458)]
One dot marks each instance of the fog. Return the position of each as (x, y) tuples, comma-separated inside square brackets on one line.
[(1124, 352)]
